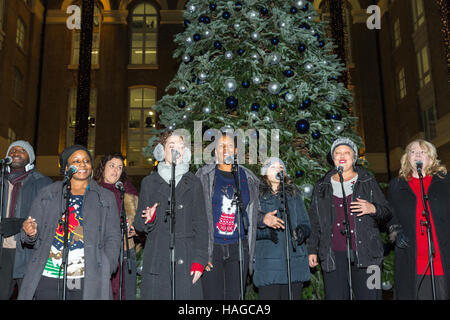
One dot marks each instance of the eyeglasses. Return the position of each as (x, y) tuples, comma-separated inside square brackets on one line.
[(419, 153)]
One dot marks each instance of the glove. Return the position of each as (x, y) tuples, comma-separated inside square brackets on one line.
[(401, 240), (273, 236), (300, 234), (398, 236), (10, 226)]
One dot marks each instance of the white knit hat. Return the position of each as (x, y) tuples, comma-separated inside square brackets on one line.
[(347, 142), (28, 148)]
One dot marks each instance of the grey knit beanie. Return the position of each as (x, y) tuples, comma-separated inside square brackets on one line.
[(269, 162), (28, 148), (347, 142)]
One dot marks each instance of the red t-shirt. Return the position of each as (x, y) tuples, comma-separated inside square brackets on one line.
[(421, 237)]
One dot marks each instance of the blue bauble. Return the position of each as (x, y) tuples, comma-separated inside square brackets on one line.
[(316, 135), (317, 36), (301, 48), (305, 26), (288, 73), (207, 20), (305, 8), (245, 84), (226, 15), (255, 106), (273, 106), (275, 41), (307, 102), (196, 37), (238, 6), (201, 19), (336, 116), (302, 126), (264, 11), (321, 44), (293, 10), (212, 7), (217, 44), (240, 52), (299, 173), (181, 104), (187, 22), (231, 102)]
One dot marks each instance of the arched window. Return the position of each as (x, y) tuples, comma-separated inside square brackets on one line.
[(141, 119), (144, 34)]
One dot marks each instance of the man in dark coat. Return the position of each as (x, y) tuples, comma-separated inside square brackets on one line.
[(20, 186)]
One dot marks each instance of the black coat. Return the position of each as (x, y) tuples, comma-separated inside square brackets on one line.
[(369, 246), (403, 202), (191, 237)]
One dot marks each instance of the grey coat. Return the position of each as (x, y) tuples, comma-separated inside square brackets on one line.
[(191, 237), (208, 179), (30, 188), (101, 231)]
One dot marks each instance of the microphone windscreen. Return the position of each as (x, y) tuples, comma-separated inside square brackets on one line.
[(229, 160), (419, 165), (340, 169), (119, 185), (8, 160), (73, 169)]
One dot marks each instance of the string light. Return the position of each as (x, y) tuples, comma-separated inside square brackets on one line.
[(445, 31)]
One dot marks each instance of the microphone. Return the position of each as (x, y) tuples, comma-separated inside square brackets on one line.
[(119, 186), (340, 169), (229, 160), (419, 165), (280, 175), (175, 155), (69, 174), (6, 161)]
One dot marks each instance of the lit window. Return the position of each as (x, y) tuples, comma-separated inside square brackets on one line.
[(20, 34), (418, 13), (401, 79), (423, 66), (144, 34), (397, 35), (71, 121), (141, 120)]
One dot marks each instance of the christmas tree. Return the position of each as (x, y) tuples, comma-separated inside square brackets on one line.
[(253, 64), (261, 65)]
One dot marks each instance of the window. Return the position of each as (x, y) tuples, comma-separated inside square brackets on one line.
[(418, 13), (20, 34), (18, 89), (397, 37), (11, 136), (401, 81), (2, 9), (140, 120), (72, 112), (144, 34), (423, 65), (429, 122), (95, 42)]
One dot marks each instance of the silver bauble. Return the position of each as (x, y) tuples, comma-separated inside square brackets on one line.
[(274, 87), (230, 85)]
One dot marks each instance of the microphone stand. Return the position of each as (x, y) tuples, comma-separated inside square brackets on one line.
[(347, 234), (427, 224), (170, 213), (124, 237), (237, 200), (2, 177), (65, 253), (285, 214)]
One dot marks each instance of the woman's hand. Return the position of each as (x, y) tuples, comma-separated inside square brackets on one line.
[(313, 260), (149, 212), (197, 275), (362, 207), (29, 226), (272, 221), (209, 266)]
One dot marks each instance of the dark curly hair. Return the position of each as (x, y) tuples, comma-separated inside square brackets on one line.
[(98, 173)]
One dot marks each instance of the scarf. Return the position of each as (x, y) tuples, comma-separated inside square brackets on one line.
[(16, 178), (165, 171)]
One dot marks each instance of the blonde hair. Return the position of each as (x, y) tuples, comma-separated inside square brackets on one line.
[(435, 167)]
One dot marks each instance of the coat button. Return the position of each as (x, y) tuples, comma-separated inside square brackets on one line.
[(180, 261), (180, 206)]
